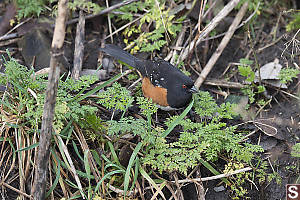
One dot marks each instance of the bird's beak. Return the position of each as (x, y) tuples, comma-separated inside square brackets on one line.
[(194, 90)]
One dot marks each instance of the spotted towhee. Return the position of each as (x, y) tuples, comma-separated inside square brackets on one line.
[(166, 85)]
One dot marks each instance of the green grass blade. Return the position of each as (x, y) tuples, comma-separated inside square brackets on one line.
[(130, 163), (7, 105), (213, 170), (77, 99), (115, 166), (57, 176), (76, 151), (87, 164), (66, 131), (80, 92), (13, 125), (105, 177), (106, 159), (96, 157), (177, 121), (136, 172), (113, 152), (29, 147), (88, 171)]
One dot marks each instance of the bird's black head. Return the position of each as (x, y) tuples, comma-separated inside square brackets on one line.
[(180, 91)]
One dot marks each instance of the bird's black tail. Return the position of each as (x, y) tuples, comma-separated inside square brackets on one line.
[(120, 54)]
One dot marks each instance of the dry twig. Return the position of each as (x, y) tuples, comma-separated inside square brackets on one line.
[(214, 177), (216, 20), (105, 11), (39, 184), (222, 45), (79, 48)]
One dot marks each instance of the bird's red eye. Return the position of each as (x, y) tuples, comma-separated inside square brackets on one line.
[(184, 86)]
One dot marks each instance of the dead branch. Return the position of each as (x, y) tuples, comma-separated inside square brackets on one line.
[(79, 47), (223, 83), (222, 45), (216, 20), (39, 184)]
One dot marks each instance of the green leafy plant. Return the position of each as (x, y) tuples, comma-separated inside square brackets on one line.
[(237, 187), (203, 141), (294, 24), (84, 5), (296, 150), (246, 71), (287, 74), (163, 21), (125, 126), (22, 102), (200, 140), (148, 108), (116, 98), (29, 98), (132, 76), (27, 8), (263, 175)]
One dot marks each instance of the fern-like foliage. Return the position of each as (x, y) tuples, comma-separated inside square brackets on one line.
[(162, 22), (205, 140), (286, 75), (116, 97), (148, 108), (296, 150), (125, 126), (28, 92)]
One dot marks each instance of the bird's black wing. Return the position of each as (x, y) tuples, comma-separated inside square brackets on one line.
[(157, 72)]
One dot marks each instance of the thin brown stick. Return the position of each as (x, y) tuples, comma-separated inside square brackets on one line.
[(223, 83), (178, 192), (124, 26), (109, 23), (105, 11), (17, 26), (39, 184), (202, 5), (191, 35), (271, 44), (16, 190), (199, 186), (216, 20), (222, 45), (85, 147), (11, 41), (241, 24), (172, 192), (214, 177), (178, 43)]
